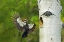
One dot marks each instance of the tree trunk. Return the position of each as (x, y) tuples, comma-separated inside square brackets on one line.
[(50, 28)]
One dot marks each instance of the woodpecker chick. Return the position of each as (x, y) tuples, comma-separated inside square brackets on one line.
[(40, 22)]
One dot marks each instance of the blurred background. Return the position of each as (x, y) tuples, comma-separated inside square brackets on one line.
[(62, 18), (26, 9)]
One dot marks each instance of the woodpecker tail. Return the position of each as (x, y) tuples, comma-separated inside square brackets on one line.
[(24, 35)]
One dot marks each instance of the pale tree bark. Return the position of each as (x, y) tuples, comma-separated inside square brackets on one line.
[(50, 21)]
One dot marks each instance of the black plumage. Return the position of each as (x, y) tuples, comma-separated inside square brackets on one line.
[(26, 30), (24, 35)]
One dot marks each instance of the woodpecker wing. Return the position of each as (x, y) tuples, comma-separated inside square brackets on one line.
[(31, 27), (18, 22)]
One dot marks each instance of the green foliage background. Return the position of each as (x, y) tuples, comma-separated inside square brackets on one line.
[(26, 9), (62, 18)]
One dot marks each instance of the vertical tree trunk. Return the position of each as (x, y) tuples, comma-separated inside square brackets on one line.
[(49, 12)]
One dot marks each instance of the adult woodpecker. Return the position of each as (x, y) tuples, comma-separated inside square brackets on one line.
[(23, 25)]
